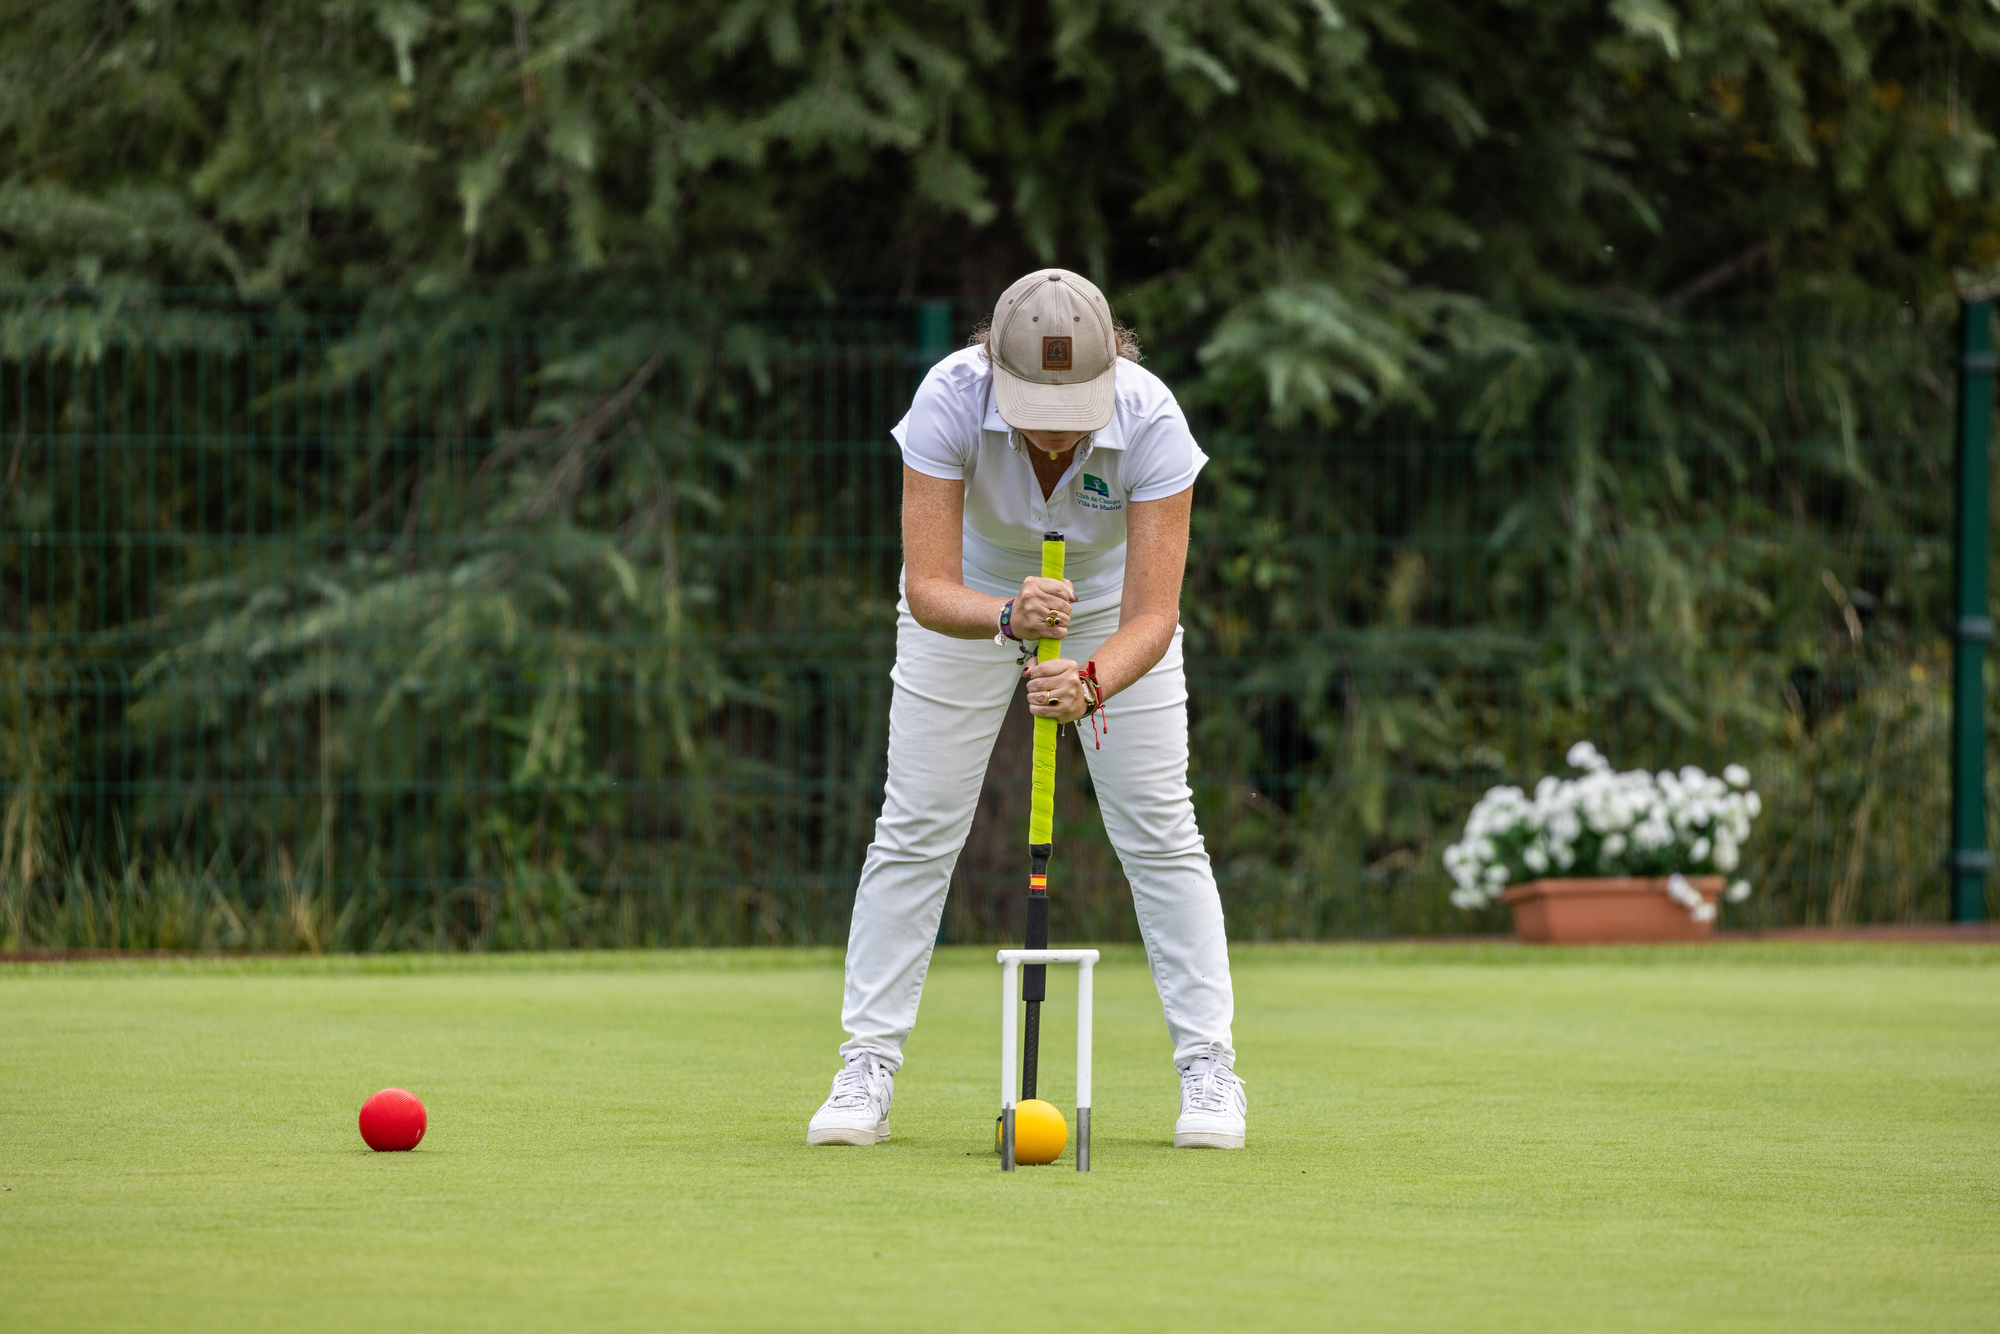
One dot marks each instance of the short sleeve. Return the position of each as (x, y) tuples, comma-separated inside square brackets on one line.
[(939, 435), (1162, 458)]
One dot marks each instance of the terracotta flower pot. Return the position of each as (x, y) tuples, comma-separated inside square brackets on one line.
[(1590, 912)]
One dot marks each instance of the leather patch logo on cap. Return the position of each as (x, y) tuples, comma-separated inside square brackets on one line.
[(1055, 354)]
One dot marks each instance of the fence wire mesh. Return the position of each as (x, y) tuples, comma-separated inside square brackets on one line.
[(446, 626)]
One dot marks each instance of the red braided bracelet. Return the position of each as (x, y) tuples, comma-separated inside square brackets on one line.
[(1093, 693)]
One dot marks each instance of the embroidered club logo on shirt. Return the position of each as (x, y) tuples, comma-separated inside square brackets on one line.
[(1096, 495), (1055, 354)]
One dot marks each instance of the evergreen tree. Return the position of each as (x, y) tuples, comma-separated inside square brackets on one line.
[(1320, 188)]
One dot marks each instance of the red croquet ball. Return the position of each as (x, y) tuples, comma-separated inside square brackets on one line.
[(392, 1121)]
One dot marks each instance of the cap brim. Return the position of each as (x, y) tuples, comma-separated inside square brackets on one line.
[(1028, 406)]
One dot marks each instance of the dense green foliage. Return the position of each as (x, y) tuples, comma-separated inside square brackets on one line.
[(411, 629), (1569, 369), (1317, 191)]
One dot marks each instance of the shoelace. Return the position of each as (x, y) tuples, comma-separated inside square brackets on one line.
[(1207, 1085), (854, 1087)]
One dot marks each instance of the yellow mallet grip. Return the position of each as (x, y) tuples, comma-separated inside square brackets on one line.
[(1041, 810)]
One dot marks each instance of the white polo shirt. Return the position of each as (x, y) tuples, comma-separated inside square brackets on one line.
[(953, 431)]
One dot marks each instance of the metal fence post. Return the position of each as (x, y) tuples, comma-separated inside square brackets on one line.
[(1972, 628), (933, 332)]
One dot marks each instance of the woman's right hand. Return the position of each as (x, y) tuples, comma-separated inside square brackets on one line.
[(1042, 609)]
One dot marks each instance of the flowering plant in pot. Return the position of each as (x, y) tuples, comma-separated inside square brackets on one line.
[(1607, 856)]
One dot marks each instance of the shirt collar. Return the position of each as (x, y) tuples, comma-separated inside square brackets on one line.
[(1111, 437), (1020, 446)]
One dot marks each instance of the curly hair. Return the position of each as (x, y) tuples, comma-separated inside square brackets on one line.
[(1128, 342)]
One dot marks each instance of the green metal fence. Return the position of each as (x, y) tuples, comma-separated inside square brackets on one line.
[(438, 624)]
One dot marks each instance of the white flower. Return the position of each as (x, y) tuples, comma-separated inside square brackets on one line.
[(1685, 894), (1739, 891), (1686, 818), (1583, 755)]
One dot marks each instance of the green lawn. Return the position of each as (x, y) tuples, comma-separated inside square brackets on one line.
[(1454, 1138)]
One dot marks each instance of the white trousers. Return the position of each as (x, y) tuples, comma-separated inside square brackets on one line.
[(951, 696)]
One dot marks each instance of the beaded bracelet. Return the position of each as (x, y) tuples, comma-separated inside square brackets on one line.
[(1006, 623)]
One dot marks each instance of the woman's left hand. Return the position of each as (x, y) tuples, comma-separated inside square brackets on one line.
[(1055, 690)]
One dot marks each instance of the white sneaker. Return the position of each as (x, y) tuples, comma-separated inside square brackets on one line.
[(857, 1111), (1213, 1106)]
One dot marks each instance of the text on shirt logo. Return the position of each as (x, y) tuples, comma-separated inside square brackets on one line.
[(1096, 495)]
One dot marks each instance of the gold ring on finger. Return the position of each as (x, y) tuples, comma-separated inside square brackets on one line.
[(1052, 618)]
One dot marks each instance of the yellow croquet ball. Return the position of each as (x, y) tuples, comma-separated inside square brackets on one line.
[(1039, 1133)]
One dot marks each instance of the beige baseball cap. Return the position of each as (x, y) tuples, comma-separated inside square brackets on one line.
[(1055, 357)]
